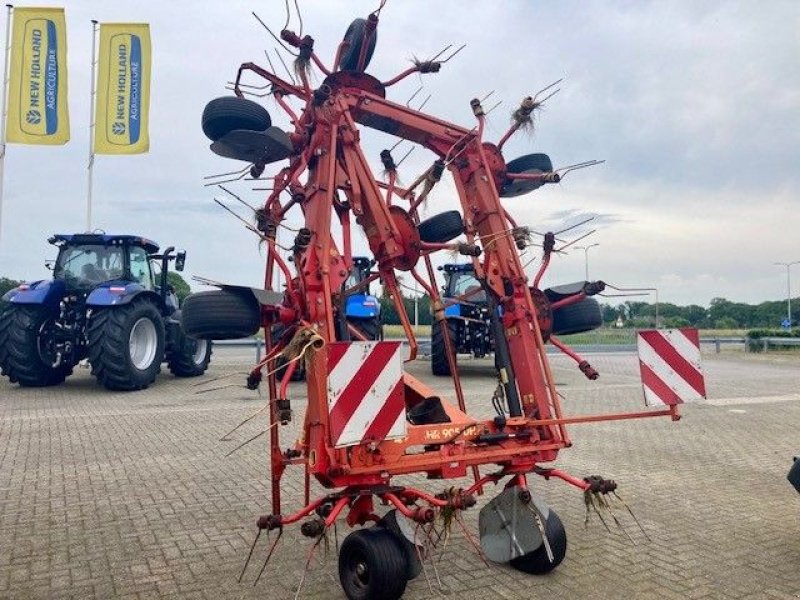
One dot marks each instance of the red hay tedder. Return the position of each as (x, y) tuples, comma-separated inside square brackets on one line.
[(367, 420)]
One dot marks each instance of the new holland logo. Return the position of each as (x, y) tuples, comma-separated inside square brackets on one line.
[(34, 117), (118, 128)]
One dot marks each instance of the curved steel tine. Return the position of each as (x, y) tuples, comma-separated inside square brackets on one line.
[(269, 555), (249, 555)]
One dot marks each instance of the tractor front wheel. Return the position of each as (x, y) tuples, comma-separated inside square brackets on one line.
[(190, 358), (373, 565), (126, 345), (25, 337)]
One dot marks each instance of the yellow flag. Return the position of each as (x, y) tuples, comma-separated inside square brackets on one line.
[(37, 93), (123, 89)]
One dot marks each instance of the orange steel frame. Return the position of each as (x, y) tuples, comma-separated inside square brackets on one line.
[(340, 183)]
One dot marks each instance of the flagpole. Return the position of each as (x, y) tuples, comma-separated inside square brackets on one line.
[(9, 8), (92, 94)]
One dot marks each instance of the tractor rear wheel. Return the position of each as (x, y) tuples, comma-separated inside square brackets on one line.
[(190, 358), (373, 565), (24, 358), (126, 345), (537, 562), (229, 113), (439, 363)]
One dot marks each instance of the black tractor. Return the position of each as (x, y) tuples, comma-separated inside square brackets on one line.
[(103, 303)]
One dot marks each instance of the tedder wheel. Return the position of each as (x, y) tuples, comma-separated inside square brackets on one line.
[(390, 522), (373, 565), (220, 315), (24, 343), (584, 315), (126, 345), (229, 113), (355, 36), (537, 562), (371, 328), (439, 364), (441, 228), (190, 358)]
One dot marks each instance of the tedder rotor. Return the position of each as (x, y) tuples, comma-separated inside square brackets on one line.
[(367, 421)]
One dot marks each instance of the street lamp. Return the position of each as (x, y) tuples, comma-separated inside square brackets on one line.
[(586, 255), (788, 286)]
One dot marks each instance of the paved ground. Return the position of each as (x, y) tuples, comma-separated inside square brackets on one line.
[(130, 495)]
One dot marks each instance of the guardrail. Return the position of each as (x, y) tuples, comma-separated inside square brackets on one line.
[(717, 341), (766, 342)]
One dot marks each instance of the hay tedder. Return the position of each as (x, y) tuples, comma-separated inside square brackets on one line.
[(367, 421)]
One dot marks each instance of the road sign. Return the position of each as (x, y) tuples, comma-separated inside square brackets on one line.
[(669, 361)]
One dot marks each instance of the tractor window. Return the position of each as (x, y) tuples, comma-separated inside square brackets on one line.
[(462, 282), (140, 267), (86, 265)]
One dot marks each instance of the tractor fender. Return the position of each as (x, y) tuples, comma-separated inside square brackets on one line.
[(360, 306), (120, 293), (46, 292)]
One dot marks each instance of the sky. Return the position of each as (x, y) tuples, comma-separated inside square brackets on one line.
[(695, 107)]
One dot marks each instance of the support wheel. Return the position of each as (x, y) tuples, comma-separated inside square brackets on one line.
[(190, 358), (373, 565), (391, 522), (537, 562), (584, 315), (220, 315), (439, 364), (126, 345), (26, 339), (229, 113)]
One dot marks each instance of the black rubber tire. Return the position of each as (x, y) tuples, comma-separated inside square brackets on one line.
[(109, 334), (441, 228), (220, 315), (20, 360), (182, 361), (371, 328), (229, 113), (537, 562), (584, 315), (389, 521), (439, 364), (348, 61), (528, 163), (380, 554)]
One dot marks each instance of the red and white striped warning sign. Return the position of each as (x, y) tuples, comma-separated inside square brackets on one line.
[(365, 392), (669, 361)]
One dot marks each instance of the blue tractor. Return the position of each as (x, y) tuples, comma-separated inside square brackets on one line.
[(470, 322), (103, 303), (362, 310)]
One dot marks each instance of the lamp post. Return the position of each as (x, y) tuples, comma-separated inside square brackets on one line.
[(586, 255), (788, 266)]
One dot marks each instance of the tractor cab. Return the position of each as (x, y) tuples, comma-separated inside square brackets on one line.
[(460, 281), (86, 261), (362, 309)]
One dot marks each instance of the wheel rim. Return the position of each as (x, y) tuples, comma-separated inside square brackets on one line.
[(200, 351), (45, 344), (360, 573), (143, 343)]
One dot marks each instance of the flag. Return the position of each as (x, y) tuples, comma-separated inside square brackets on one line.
[(37, 94), (123, 89)]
